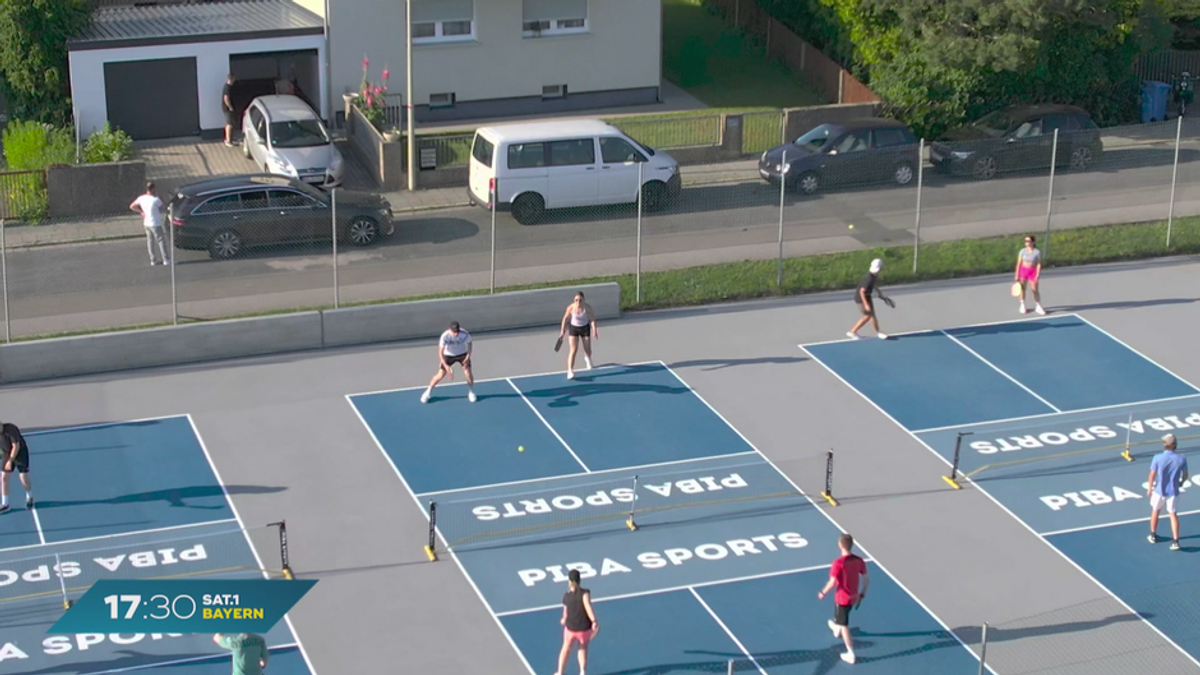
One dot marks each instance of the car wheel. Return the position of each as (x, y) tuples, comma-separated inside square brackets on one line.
[(528, 208), (245, 147), (903, 174), (808, 183), (362, 231), (1081, 159), (984, 168), (225, 245), (654, 196)]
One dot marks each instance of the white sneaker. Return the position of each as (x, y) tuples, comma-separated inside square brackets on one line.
[(848, 657), (471, 396), (852, 335), (1040, 310), (588, 361), (833, 627), (570, 374), (1023, 309), (425, 396), (881, 336)]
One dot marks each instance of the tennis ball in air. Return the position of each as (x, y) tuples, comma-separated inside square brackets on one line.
[(520, 448), (850, 226)]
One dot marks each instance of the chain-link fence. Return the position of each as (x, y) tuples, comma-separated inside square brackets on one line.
[(275, 247)]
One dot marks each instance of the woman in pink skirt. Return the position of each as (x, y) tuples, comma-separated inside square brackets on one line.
[(1029, 270)]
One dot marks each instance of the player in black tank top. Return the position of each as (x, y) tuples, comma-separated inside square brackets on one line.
[(579, 623)]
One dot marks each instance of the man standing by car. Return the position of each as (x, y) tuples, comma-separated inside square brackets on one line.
[(227, 106), (151, 209)]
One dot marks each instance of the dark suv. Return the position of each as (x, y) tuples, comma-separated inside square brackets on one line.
[(226, 215), (871, 150), (1019, 138)]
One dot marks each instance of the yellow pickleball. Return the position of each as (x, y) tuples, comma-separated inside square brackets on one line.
[(520, 448)]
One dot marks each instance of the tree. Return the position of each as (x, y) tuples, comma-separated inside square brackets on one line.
[(33, 56)]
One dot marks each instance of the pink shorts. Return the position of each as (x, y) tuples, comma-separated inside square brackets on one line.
[(1027, 273), (582, 636)]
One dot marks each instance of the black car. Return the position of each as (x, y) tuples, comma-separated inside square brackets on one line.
[(1019, 138), (871, 150), (226, 215)]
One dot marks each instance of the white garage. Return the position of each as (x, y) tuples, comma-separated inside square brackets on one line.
[(159, 71)]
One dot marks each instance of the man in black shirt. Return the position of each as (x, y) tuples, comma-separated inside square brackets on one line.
[(862, 296), (227, 106), (15, 454), (578, 621)]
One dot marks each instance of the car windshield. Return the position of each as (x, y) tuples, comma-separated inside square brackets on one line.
[(816, 139), (298, 134), (995, 124)]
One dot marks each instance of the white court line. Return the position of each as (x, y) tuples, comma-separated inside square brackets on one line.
[(675, 589), (866, 554), (37, 524), (453, 555), (610, 366), (99, 425), (996, 368), (1146, 358), (101, 537), (726, 629), (636, 467), (193, 659), (1007, 420), (931, 331), (1004, 508), (1112, 524), (216, 474), (543, 419)]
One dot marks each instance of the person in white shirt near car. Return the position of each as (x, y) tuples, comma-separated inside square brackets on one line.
[(453, 347), (151, 209)]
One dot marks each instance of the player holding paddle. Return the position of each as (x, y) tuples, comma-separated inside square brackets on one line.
[(845, 575), (579, 323), (1029, 270)]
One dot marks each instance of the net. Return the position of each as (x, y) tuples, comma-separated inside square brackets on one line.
[(63, 573), (561, 510)]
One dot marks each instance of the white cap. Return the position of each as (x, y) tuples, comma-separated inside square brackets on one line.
[(876, 265)]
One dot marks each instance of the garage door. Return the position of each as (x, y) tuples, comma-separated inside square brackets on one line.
[(153, 99)]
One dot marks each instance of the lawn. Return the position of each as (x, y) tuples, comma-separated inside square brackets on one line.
[(717, 64)]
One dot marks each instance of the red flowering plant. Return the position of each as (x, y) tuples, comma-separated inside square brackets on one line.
[(370, 99)]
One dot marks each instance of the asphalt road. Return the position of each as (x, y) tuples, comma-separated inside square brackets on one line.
[(110, 284)]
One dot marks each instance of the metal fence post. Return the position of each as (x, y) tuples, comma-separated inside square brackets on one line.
[(495, 196), (920, 180), (4, 273), (983, 652), (1174, 176), (782, 197), (172, 262), (334, 234), (638, 272), (1050, 196)]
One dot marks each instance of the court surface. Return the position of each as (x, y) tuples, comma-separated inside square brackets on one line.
[(127, 500), (724, 558), (1046, 407)]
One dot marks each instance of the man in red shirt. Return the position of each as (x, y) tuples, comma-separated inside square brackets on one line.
[(844, 574)]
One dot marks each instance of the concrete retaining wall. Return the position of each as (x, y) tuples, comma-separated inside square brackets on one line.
[(258, 336)]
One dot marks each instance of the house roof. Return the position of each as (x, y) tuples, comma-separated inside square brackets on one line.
[(130, 26)]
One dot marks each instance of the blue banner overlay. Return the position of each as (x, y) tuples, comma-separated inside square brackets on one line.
[(182, 606)]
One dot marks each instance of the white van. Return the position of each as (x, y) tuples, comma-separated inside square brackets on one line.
[(530, 167)]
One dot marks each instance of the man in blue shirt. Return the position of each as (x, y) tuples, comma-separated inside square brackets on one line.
[(1171, 471)]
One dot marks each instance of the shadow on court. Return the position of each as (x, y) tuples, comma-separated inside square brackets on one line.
[(177, 497), (974, 634), (1128, 304), (718, 364)]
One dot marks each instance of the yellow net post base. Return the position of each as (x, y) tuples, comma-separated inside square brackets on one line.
[(431, 554), (631, 525), (1127, 455)]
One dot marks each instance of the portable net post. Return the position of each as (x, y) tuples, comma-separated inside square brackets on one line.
[(62, 582), (1127, 454), (285, 566), (630, 522), (952, 479), (828, 492), (429, 548)]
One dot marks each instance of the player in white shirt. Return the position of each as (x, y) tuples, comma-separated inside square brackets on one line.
[(151, 209), (453, 347)]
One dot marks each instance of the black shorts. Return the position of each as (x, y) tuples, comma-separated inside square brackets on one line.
[(579, 331), (867, 310), (21, 463), (841, 614), (451, 360), (230, 118)]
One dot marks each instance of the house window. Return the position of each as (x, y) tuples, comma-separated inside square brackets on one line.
[(554, 91), (443, 20), (441, 100), (554, 17)]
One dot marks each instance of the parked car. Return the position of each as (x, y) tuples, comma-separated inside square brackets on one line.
[(284, 136), (1019, 138), (229, 214), (870, 150), (531, 167)]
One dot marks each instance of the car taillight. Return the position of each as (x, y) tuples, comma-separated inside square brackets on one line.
[(177, 222)]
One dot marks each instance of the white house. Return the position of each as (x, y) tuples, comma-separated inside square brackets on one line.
[(157, 71)]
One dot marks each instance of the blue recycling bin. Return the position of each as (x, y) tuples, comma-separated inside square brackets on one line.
[(1154, 100)]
